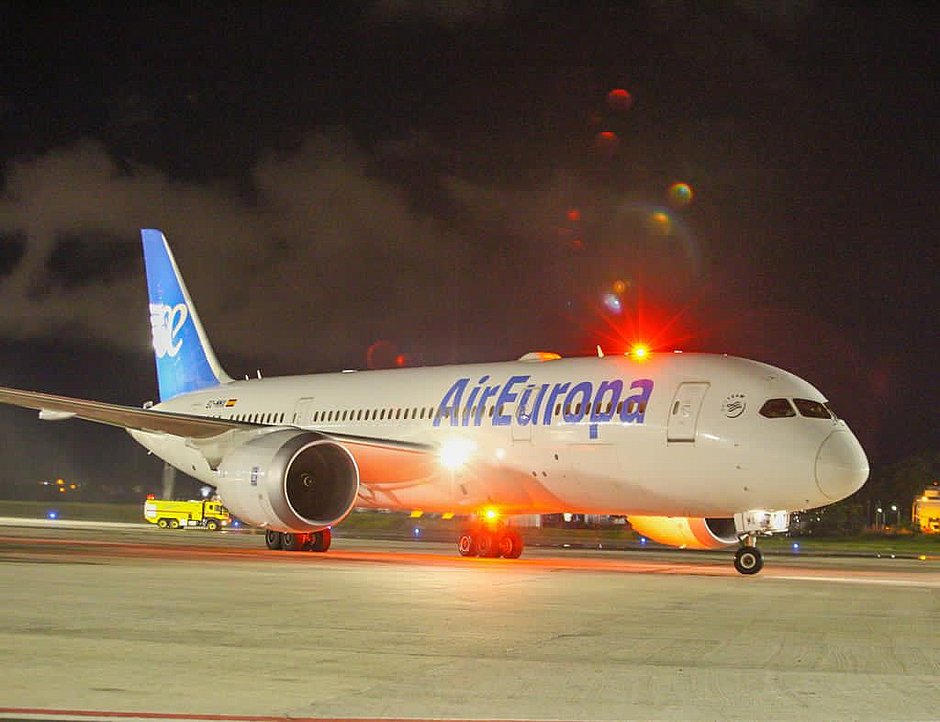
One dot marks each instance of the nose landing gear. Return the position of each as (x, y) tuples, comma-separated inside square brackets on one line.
[(748, 559), (753, 524)]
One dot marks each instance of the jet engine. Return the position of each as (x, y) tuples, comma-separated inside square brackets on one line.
[(685, 532), (289, 481)]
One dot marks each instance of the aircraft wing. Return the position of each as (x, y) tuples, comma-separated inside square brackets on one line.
[(127, 417), (372, 453)]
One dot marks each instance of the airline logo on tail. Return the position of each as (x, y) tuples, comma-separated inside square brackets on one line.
[(166, 322), (185, 361)]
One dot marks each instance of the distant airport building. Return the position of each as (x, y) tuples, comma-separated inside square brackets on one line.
[(926, 512)]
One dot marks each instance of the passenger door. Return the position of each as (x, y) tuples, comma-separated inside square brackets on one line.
[(683, 414), (303, 411)]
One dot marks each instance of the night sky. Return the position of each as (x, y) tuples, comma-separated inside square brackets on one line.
[(454, 181)]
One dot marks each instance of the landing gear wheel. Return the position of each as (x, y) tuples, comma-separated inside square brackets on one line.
[(467, 544), (320, 541), (748, 560), (162, 523), (273, 539), (510, 544), (488, 544), (293, 542), (212, 525)]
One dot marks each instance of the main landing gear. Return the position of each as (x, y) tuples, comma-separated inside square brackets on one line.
[(318, 541), (482, 540), (748, 559)]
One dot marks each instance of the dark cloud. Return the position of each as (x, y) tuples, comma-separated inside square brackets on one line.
[(447, 13)]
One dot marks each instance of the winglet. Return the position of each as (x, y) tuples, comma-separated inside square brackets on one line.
[(185, 359)]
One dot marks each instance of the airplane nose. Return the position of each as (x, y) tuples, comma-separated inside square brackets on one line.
[(841, 465)]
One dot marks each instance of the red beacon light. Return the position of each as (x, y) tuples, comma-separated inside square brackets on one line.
[(639, 351)]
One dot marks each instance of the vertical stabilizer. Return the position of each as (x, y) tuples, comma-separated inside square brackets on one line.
[(185, 360)]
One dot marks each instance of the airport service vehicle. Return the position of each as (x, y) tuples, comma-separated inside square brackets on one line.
[(195, 512), (700, 451), (925, 513)]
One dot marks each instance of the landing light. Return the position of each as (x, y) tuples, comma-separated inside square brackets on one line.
[(456, 452)]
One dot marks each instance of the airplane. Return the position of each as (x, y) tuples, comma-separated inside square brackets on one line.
[(699, 451)]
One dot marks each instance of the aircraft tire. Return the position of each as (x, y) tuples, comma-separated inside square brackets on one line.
[(467, 544), (294, 542), (488, 544), (274, 540), (510, 544), (320, 541), (748, 560)]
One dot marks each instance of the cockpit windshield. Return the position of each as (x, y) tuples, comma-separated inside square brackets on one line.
[(777, 409), (783, 408), (812, 409)]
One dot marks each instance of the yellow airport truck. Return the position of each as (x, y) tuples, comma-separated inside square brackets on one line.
[(176, 514), (926, 512)]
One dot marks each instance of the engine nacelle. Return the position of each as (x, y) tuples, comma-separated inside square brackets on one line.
[(685, 532), (289, 480)]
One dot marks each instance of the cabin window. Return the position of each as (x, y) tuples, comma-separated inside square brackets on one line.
[(777, 409)]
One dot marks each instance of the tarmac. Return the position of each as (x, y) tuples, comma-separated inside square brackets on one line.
[(105, 622)]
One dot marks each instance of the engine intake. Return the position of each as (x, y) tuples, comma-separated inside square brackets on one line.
[(289, 481)]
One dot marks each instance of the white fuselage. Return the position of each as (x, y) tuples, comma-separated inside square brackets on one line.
[(671, 434)]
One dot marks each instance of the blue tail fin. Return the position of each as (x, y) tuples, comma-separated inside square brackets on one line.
[(185, 360)]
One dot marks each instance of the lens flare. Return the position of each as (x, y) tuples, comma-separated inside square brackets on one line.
[(680, 194), (619, 100), (612, 303), (659, 223), (607, 142)]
